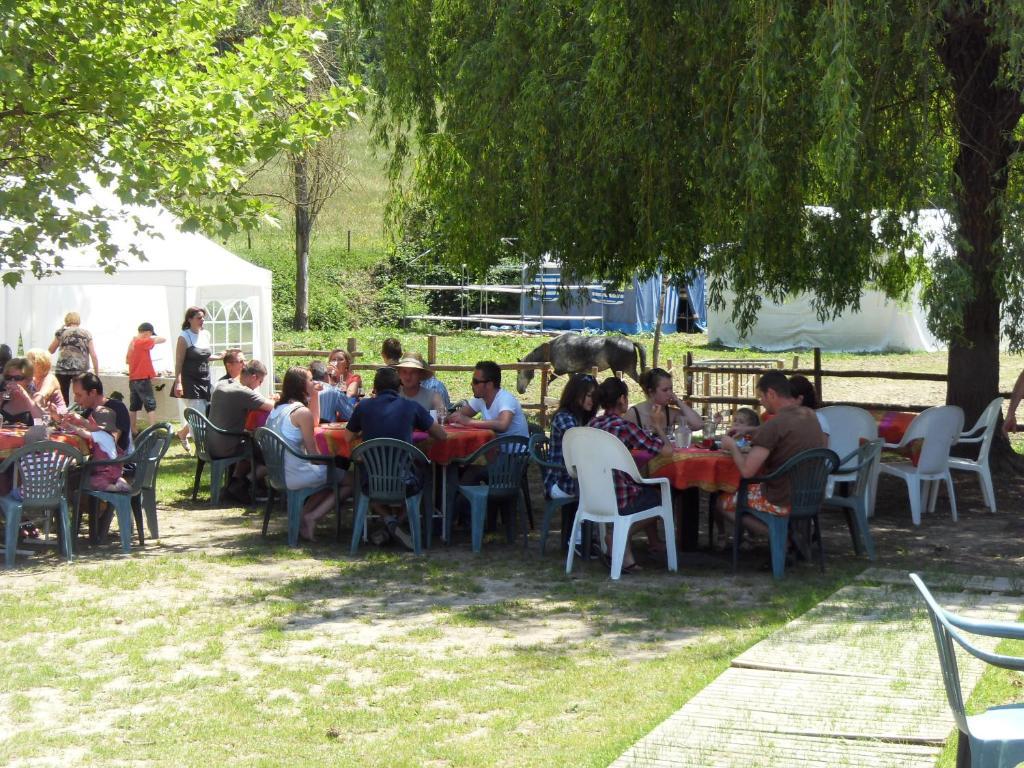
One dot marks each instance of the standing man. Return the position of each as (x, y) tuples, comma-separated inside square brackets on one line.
[(499, 410), (1010, 424), (794, 428), (389, 415), (230, 404)]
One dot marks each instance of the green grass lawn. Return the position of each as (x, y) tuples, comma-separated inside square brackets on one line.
[(236, 650)]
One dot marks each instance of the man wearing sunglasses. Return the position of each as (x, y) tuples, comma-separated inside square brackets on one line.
[(499, 410)]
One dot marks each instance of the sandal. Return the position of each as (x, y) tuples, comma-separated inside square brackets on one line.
[(633, 567)]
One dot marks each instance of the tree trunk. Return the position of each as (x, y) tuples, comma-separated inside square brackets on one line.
[(662, 298), (303, 228), (986, 114)]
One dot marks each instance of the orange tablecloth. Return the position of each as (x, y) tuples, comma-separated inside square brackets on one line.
[(461, 442), (710, 471), (255, 420), (12, 438)]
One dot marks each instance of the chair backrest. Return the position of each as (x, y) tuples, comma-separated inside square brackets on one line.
[(273, 448), (592, 455), (507, 459), (944, 634), (867, 458), (149, 450), (940, 428), (387, 465), (808, 473), (848, 426), (200, 425), (987, 422), (41, 472), (540, 447)]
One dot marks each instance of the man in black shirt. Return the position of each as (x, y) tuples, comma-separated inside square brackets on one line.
[(88, 392)]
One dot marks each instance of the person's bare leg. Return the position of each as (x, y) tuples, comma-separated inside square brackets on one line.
[(316, 506)]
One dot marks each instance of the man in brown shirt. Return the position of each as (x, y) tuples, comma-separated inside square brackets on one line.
[(791, 429)]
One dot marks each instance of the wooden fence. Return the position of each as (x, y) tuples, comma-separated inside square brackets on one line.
[(727, 382), (545, 370)]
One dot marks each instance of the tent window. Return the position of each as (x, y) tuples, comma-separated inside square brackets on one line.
[(230, 326)]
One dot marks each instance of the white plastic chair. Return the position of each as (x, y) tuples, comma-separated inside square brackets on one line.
[(590, 456), (982, 432), (850, 427), (939, 428)]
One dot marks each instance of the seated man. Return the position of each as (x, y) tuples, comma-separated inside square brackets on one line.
[(234, 361), (499, 410), (794, 428), (412, 371), (88, 393), (335, 405), (230, 404), (388, 415), (391, 351)]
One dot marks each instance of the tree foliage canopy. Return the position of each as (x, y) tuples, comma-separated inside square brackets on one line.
[(160, 100), (620, 132)]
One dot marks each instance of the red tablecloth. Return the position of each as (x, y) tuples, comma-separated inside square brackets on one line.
[(892, 425), (710, 471), (12, 438), (461, 442)]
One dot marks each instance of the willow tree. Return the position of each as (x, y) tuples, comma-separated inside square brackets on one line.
[(618, 132), (158, 100)]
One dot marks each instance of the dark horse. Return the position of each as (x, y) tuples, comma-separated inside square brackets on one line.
[(572, 353)]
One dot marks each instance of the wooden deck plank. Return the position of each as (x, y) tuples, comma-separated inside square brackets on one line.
[(854, 681)]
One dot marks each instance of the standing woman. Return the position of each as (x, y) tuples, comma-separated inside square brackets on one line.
[(192, 367), (75, 349)]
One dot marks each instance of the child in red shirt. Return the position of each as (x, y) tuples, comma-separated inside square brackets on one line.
[(141, 372)]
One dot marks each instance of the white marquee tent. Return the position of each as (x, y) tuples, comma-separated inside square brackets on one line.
[(181, 269), (881, 324)]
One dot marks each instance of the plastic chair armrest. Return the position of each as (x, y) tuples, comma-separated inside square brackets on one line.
[(963, 440), (1001, 629)]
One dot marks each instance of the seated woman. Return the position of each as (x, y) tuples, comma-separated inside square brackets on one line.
[(613, 396), (16, 403), (412, 371), (339, 372), (293, 419), (576, 408), (662, 409), (44, 387), (805, 393)]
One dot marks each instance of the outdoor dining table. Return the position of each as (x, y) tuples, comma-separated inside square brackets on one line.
[(461, 442), (13, 438), (692, 470)]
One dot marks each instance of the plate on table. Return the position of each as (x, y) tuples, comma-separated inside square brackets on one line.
[(334, 425)]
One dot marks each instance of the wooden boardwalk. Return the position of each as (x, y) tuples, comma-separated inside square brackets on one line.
[(853, 682)]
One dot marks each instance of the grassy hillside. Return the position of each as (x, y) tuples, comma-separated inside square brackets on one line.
[(341, 294)]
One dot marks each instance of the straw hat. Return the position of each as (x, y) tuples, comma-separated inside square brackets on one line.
[(415, 362)]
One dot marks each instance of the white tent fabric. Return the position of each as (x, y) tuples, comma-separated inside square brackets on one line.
[(880, 325), (181, 270)]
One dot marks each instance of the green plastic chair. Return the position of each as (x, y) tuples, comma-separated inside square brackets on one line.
[(201, 427), (146, 501), (507, 459), (807, 473), (274, 449), (863, 464), (145, 457), (995, 738), (387, 463), (539, 446), (41, 473)]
